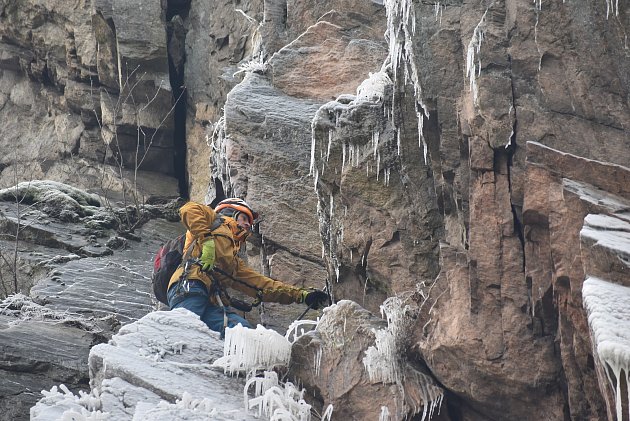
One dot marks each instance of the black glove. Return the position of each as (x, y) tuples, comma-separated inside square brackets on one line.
[(316, 299)]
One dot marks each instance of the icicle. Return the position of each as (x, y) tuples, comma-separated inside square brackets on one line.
[(343, 156), (438, 12), (612, 6), (375, 140), (423, 143), (327, 415), (474, 46), (318, 362), (330, 138), (312, 167), (384, 414), (316, 178)]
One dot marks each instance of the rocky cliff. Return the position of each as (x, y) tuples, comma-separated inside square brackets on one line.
[(468, 153)]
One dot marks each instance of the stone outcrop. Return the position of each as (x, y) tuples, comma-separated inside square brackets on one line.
[(331, 362), (85, 92)]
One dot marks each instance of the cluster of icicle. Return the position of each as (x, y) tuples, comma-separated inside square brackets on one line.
[(383, 360), (401, 26), (248, 349), (612, 7), (608, 308), (253, 350), (276, 401)]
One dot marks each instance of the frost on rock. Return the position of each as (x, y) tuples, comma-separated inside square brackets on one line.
[(56, 199), (374, 88), (384, 363), (165, 356), (23, 308), (608, 308), (187, 408), (34, 191)]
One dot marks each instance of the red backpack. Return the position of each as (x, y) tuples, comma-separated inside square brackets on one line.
[(166, 262)]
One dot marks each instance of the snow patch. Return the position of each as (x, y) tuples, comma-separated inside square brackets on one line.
[(608, 308)]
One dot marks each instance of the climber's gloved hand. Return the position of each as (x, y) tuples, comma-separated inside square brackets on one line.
[(314, 298), (207, 255)]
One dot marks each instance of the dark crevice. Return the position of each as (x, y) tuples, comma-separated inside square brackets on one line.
[(176, 34), (511, 150)]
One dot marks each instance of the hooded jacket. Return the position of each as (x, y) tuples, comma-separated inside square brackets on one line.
[(198, 219)]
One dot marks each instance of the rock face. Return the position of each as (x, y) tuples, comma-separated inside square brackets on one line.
[(469, 156), (85, 93)]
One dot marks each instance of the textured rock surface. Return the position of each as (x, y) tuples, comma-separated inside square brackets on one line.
[(88, 281)]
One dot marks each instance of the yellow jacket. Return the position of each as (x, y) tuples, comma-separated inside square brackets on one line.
[(198, 219)]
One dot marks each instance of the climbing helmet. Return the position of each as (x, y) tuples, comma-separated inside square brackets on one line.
[(233, 206)]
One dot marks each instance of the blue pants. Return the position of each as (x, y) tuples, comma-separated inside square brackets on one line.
[(196, 299)]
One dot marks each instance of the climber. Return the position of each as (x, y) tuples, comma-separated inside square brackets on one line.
[(212, 265)]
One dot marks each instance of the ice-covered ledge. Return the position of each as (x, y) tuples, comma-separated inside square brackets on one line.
[(608, 308), (158, 367)]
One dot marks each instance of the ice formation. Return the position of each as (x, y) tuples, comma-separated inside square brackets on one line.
[(373, 88), (383, 361), (220, 164), (384, 414), (255, 65), (473, 62), (608, 308), (251, 350), (612, 6), (401, 26), (23, 308), (327, 415), (297, 329), (282, 402), (248, 349), (61, 404), (438, 11)]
